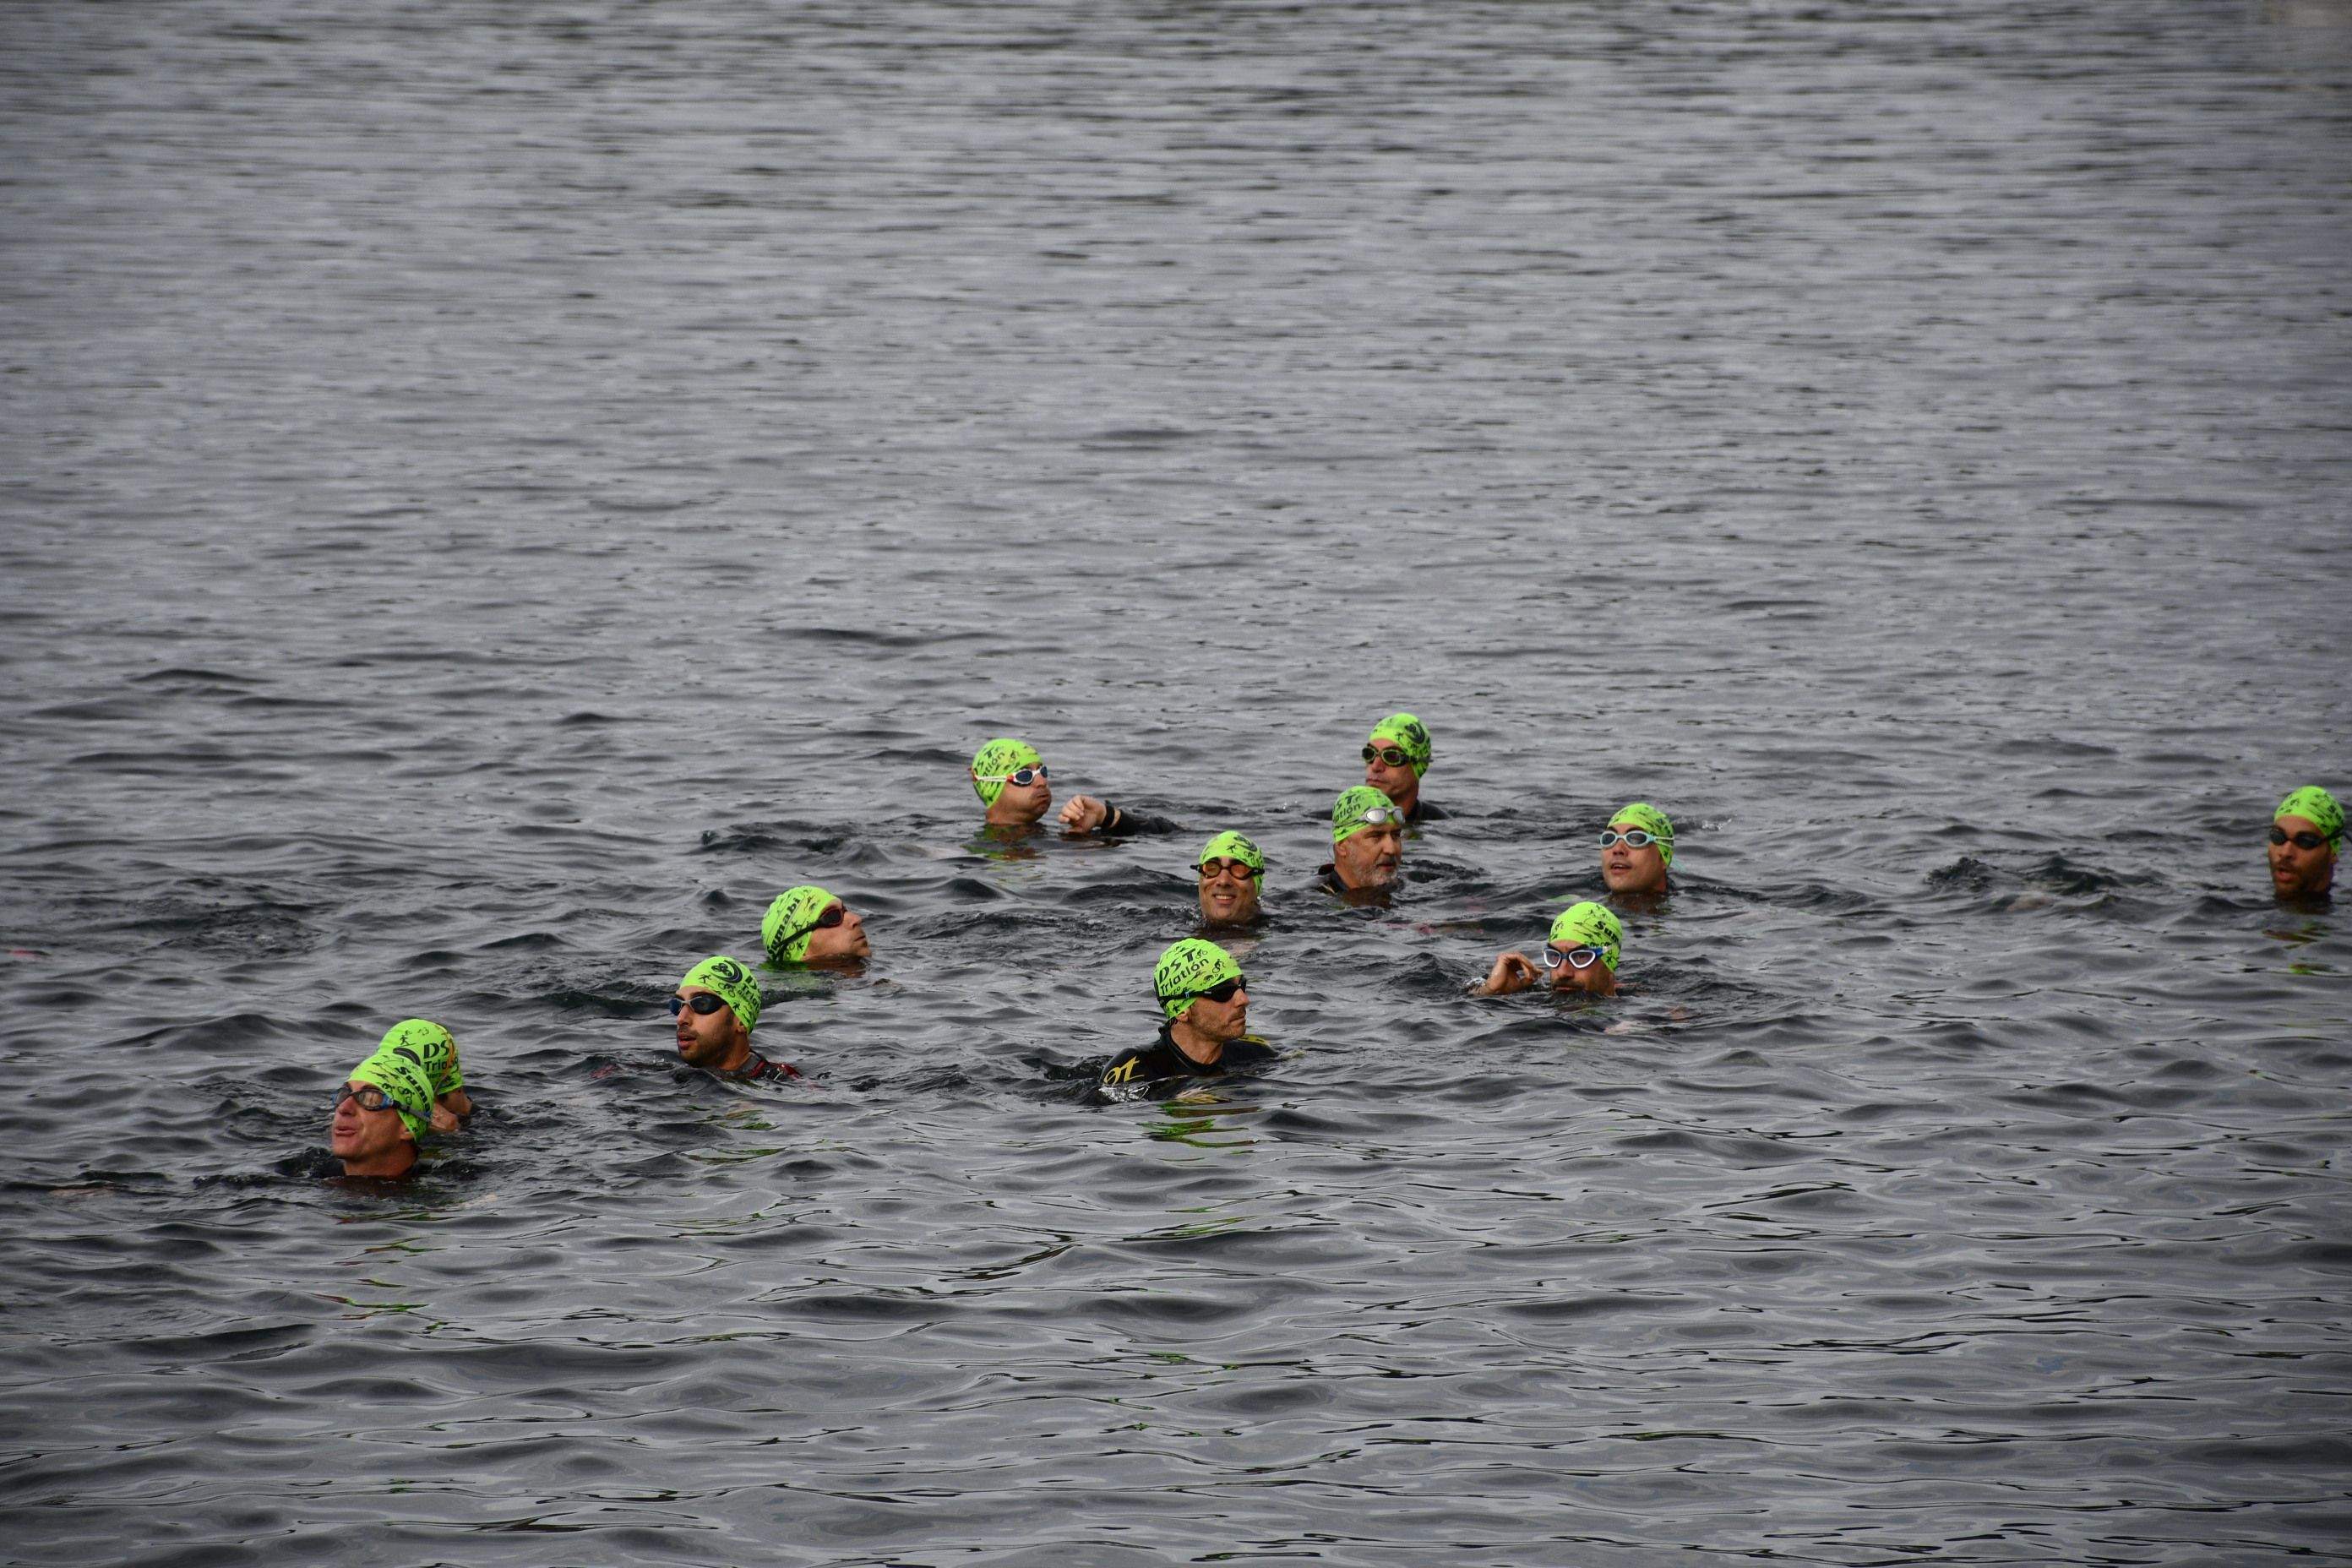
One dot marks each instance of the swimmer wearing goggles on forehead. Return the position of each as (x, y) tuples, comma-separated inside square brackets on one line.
[(1367, 843), (1636, 847), (1232, 872), (2307, 831), (1396, 754), (717, 1006), (1204, 1030), (1581, 954)]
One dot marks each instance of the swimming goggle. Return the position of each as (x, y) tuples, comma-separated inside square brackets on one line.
[(1575, 958), (2303, 840), (1020, 778), (1636, 838), (370, 1098), (1380, 816), (1221, 992), (826, 921), (1395, 756), (703, 1002), (1212, 869)]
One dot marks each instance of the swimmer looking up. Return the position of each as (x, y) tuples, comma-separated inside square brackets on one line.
[(1636, 849), (381, 1111), (1009, 776), (1204, 1032), (1581, 953), (717, 1005), (2306, 830), (1396, 754), (1367, 842), (1232, 871), (808, 925)]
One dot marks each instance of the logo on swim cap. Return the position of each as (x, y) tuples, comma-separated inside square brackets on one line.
[(1232, 846), (993, 761), (1359, 808), (1652, 821), (1186, 969), (1404, 731), (735, 985), (401, 1076), (1589, 925), (431, 1046), (791, 922), (2317, 808)]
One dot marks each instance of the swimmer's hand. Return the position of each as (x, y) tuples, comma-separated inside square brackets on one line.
[(1512, 972), (1084, 814), (444, 1118)]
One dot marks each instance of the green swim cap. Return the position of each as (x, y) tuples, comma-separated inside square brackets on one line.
[(400, 1075), (2317, 808), (791, 921), (1348, 812), (996, 759), (1405, 731), (1232, 846), (1589, 925), (430, 1047), (734, 984), (1652, 821), (1186, 969)]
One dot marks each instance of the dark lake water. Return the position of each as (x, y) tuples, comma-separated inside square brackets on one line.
[(490, 495)]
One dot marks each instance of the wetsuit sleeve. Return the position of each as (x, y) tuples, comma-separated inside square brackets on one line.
[(1123, 821)]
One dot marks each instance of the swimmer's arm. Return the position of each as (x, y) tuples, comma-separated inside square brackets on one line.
[(1092, 814), (1512, 972)]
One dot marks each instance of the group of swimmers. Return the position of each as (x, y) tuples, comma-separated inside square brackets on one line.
[(412, 1084)]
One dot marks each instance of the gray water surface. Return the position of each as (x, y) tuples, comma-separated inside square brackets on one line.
[(490, 495)]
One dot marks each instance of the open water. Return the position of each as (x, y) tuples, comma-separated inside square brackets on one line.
[(492, 494)]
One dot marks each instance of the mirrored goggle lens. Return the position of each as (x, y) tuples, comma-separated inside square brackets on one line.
[(2302, 840), (703, 1002), (1380, 816), (1221, 992), (1575, 958), (1395, 756), (368, 1095), (1637, 839)]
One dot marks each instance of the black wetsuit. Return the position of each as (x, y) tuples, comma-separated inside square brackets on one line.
[(1116, 820), (1162, 1060), (1427, 811), (760, 1069)]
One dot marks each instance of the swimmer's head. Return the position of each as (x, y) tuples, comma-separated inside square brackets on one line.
[(1359, 808), (2306, 833), (1642, 817), (733, 984), (1406, 734), (1009, 776), (1367, 838), (809, 925), (429, 1045), (1232, 872), (1636, 849), (1190, 971), (1588, 925), (405, 1082)]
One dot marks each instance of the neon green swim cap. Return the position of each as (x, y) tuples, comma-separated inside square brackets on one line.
[(993, 761), (1353, 812), (1589, 925), (2317, 808), (430, 1047), (1186, 969), (1652, 821), (1232, 846), (791, 921), (1405, 731), (400, 1075), (735, 985)]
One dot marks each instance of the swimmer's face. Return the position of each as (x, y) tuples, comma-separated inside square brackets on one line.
[(713, 1040), (1224, 1022), (1228, 892), (1368, 857), (840, 943), (364, 1137), (1395, 780), (1596, 979), (1017, 803), (2298, 871), (1630, 870)]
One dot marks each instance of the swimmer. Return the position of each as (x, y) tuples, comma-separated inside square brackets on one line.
[(1233, 873), (381, 1111), (1395, 756), (1636, 849), (717, 1005), (1367, 842), (808, 925), (1205, 1031), (1581, 954), (434, 1049), (1009, 776), (2306, 830)]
